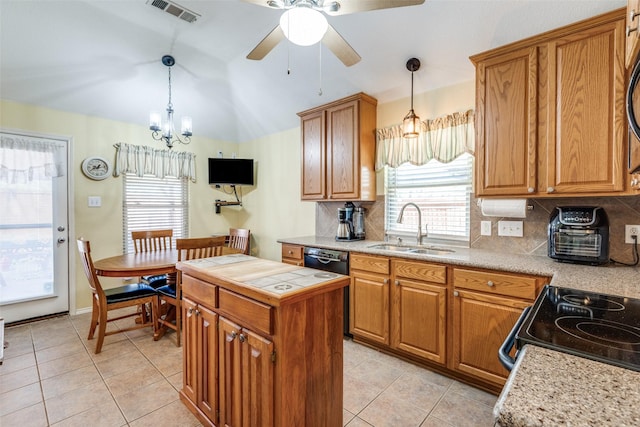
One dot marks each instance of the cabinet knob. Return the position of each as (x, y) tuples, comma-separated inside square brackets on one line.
[(197, 312), (397, 282), (290, 252), (531, 189), (456, 293), (233, 335), (242, 338), (190, 311), (490, 283), (550, 189), (385, 281), (634, 182)]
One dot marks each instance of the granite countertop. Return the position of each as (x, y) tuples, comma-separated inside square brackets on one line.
[(552, 389), (545, 387)]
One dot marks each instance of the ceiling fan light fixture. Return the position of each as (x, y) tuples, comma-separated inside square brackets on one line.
[(411, 122), (303, 26)]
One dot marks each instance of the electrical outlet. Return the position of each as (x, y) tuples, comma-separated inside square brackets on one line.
[(631, 230)]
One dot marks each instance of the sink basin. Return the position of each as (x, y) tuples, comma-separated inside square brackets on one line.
[(426, 250), (387, 247)]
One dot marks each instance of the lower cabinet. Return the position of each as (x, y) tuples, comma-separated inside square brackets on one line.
[(246, 377), (292, 254), (405, 306)]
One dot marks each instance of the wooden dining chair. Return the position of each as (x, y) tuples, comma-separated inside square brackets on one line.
[(239, 238), (152, 240), (171, 294), (105, 300)]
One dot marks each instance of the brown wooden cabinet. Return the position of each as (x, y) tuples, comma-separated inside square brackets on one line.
[(551, 117), (419, 309), (292, 254), (369, 297), (486, 305), (632, 30), (260, 358), (338, 150)]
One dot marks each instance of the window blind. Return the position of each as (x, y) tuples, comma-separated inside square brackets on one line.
[(441, 190), (151, 203)]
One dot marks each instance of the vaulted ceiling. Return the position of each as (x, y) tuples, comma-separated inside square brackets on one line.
[(103, 57)]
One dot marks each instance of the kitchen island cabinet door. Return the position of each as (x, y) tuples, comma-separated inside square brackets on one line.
[(506, 124), (586, 120), (190, 357), (246, 377), (481, 324)]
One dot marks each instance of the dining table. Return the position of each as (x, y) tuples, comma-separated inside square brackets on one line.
[(150, 263)]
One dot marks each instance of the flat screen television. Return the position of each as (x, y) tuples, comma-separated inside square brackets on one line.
[(231, 171)]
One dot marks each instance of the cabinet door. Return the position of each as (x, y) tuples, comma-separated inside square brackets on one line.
[(506, 124), (586, 117), (257, 380), (190, 350), (230, 373), (480, 325), (418, 317), (370, 306), (343, 156), (207, 352), (633, 31), (313, 184)]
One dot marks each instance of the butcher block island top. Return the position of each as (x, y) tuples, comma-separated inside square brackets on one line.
[(262, 342)]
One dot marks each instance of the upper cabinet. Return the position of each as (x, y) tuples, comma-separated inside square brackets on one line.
[(550, 113), (338, 150), (632, 32)]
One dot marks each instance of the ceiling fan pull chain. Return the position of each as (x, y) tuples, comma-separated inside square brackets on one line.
[(320, 74)]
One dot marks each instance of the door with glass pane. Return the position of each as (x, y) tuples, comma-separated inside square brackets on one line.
[(34, 248)]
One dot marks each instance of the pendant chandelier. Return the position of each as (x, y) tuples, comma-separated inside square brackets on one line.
[(166, 131), (411, 122)]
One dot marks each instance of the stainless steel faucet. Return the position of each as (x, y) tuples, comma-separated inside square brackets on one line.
[(399, 221)]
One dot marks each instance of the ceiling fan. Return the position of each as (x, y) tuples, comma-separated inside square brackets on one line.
[(312, 12)]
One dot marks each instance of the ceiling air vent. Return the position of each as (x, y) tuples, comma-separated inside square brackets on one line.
[(175, 9)]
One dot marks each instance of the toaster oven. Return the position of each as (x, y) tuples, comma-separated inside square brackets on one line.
[(579, 234)]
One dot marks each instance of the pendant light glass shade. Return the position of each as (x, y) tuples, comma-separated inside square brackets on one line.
[(411, 122), (303, 26)]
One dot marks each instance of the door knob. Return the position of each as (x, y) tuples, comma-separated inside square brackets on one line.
[(61, 228), (61, 240)]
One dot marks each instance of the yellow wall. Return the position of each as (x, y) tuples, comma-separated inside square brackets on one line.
[(271, 209)]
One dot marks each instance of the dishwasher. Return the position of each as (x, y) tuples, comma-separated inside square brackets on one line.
[(335, 262)]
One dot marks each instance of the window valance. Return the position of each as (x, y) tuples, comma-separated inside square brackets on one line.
[(25, 158), (443, 139), (142, 160)]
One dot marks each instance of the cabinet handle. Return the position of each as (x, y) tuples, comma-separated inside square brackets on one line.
[(456, 293), (633, 14), (242, 338), (490, 284), (531, 189), (397, 282), (631, 30), (550, 189)]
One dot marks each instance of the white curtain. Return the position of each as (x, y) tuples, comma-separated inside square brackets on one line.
[(142, 160), (443, 139), (25, 158)]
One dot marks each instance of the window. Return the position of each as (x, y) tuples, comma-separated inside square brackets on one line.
[(441, 190), (154, 203)]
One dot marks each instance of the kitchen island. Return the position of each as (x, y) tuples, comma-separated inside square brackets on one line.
[(262, 342)]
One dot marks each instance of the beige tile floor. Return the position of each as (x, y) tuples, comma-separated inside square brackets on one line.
[(51, 377)]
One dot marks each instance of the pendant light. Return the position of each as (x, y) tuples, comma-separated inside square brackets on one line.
[(411, 122)]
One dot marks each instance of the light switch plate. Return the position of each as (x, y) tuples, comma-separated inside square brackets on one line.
[(510, 228), (485, 228), (95, 201)]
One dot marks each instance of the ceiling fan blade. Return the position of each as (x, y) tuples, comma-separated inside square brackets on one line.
[(340, 48), (352, 6), (273, 4), (267, 44)]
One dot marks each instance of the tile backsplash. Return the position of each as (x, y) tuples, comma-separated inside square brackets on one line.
[(620, 210)]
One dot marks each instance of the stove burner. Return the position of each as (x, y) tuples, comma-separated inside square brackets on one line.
[(602, 332), (597, 303), (282, 287)]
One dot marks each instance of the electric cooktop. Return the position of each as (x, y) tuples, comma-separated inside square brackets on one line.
[(601, 327)]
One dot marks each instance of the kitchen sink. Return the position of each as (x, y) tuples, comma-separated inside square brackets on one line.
[(426, 250)]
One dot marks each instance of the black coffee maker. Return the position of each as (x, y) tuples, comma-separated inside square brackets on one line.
[(345, 223)]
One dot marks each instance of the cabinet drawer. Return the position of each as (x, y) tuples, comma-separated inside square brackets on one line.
[(369, 263), (292, 251), (420, 271), (251, 314), (199, 291), (496, 283)]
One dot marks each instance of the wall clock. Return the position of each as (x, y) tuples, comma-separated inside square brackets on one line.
[(96, 168)]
